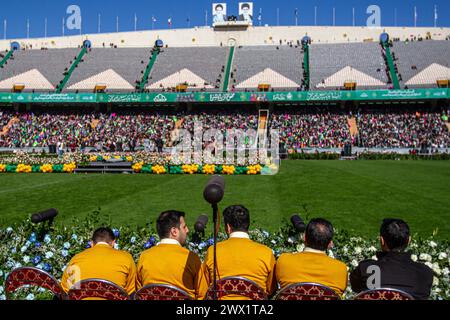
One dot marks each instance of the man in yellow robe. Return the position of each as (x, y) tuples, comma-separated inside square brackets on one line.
[(168, 262), (313, 264), (101, 261), (238, 256)]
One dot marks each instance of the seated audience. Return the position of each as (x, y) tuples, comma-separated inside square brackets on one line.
[(101, 261), (397, 270), (313, 264), (168, 262), (238, 256)]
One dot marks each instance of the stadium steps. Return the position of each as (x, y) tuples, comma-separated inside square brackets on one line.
[(226, 78), (352, 126), (63, 83), (148, 69), (263, 121), (391, 66), (6, 58)]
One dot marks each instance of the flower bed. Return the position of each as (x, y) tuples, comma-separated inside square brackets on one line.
[(142, 162), (20, 245)]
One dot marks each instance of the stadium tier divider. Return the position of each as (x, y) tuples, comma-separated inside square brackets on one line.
[(148, 69), (390, 60), (63, 83), (226, 78), (6, 58)]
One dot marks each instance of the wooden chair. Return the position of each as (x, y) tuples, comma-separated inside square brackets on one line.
[(97, 288), (161, 292), (383, 294), (237, 286), (30, 276), (307, 291)]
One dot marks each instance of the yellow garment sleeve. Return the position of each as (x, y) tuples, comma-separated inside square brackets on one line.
[(130, 287)]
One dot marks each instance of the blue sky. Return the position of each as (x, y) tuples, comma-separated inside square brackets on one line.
[(17, 12)]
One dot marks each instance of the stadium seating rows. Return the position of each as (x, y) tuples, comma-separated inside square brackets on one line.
[(203, 67)]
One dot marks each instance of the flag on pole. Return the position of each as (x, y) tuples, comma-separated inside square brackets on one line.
[(415, 16), (260, 16), (135, 22), (296, 16), (435, 16), (169, 22)]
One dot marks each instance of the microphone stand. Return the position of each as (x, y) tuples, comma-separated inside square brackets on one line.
[(46, 226), (215, 213)]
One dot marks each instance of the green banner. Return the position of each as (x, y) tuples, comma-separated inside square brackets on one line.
[(226, 97)]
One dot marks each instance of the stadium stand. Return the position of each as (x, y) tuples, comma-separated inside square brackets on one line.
[(188, 65), (281, 67), (119, 69), (39, 70), (421, 63), (333, 64)]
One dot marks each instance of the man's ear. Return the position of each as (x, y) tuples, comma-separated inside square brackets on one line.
[(113, 243), (382, 242), (409, 240), (331, 245)]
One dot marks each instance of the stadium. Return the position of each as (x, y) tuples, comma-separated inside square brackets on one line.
[(89, 125)]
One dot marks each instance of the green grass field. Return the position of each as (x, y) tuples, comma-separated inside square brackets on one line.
[(353, 195)]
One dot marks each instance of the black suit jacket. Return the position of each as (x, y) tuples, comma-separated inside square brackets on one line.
[(398, 271)]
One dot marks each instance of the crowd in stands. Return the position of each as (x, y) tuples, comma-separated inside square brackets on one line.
[(402, 130), (130, 130), (170, 263)]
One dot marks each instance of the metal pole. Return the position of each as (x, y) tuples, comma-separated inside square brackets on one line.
[(28, 28), (45, 28), (315, 16), (99, 23), (353, 16), (4, 29), (278, 16), (334, 16)]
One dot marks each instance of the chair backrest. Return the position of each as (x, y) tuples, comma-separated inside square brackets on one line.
[(97, 288), (161, 292), (383, 294), (32, 277), (307, 291), (237, 286)]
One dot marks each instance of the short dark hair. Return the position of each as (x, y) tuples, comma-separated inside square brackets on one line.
[(103, 234), (219, 5), (245, 5), (237, 217), (395, 233), (168, 220), (319, 233)]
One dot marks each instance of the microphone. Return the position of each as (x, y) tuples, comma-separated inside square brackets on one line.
[(214, 190), (298, 223), (201, 223), (44, 215)]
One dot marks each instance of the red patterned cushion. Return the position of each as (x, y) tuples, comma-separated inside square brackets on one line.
[(384, 294), (33, 277), (307, 291), (97, 288), (161, 292), (237, 286)]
